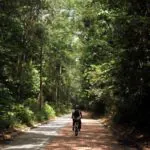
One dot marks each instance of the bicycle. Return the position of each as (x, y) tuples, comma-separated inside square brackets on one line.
[(76, 126)]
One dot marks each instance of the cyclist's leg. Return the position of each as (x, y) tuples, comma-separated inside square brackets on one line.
[(80, 124)]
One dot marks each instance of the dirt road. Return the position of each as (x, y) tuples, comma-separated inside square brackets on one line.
[(38, 138), (93, 136), (58, 135)]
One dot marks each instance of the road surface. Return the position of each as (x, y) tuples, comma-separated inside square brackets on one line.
[(58, 135), (37, 138)]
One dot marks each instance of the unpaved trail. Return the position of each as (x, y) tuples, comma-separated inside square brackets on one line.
[(38, 138), (58, 135), (93, 136)]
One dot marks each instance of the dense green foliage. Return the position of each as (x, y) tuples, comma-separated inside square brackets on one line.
[(56, 54), (35, 60), (116, 60)]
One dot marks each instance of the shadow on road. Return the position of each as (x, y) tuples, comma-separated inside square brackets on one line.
[(92, 137)]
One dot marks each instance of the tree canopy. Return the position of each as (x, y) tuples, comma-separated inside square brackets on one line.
[(60, 53)]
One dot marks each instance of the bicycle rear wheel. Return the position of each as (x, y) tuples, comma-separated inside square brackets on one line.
[(76, 129), (76, 132)]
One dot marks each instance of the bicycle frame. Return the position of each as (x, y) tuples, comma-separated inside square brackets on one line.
[(76, 128)]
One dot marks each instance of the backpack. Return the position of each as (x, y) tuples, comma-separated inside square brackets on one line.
[(76, 113)]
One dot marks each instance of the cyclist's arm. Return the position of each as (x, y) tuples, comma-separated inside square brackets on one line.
[(81, 114)]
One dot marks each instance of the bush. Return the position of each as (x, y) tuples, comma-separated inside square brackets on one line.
[(48, 111), (34, 107), (40, 115), (7, 120), (61, 109), (32, 104), (24, 114), (7, 115)]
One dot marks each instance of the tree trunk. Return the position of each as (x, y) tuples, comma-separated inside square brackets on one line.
[(41, 80)]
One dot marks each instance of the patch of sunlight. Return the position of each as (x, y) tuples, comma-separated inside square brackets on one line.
[(44, 132), (87, 148), (26, 146), (81, 148), (88, 120), (57, 126)]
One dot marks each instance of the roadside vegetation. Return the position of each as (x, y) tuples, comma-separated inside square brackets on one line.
[(55, 54)]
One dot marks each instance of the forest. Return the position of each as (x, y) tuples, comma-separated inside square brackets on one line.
[(56, 54)]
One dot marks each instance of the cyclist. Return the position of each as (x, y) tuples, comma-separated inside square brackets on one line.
[(75, 114)]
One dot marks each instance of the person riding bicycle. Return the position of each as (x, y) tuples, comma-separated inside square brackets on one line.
[(76, 114)]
